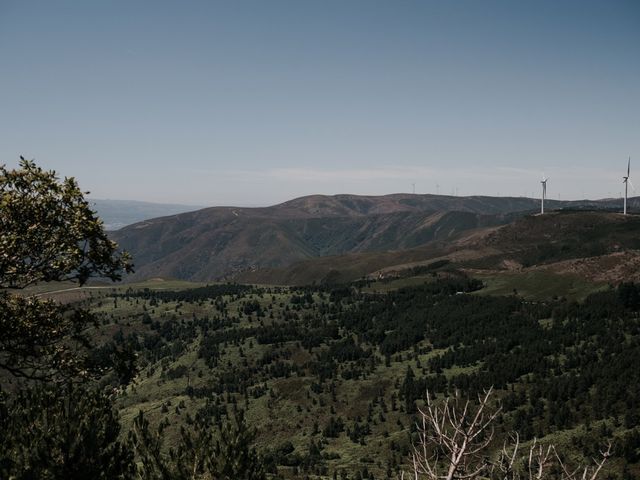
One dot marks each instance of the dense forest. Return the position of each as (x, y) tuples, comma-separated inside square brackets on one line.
[(331, 378)]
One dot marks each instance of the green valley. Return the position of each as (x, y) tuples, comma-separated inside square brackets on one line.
[(332, 377)]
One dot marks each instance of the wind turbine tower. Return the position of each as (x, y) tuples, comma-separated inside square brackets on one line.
[(544, 193), (626, 181)]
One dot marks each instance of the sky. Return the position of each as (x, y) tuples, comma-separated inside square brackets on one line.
[(257, 102)]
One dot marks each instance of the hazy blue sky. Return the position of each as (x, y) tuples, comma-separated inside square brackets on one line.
[(255, 102)]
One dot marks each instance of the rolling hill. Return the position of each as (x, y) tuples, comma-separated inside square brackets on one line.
[(228, 242), (596, 246)]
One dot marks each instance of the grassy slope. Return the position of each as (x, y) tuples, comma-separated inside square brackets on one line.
[(287, 416), (290, 410), (530, 242), (538, 285)]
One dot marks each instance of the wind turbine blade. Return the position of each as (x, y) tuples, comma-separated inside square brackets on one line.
[(629, 167), (632, 187)]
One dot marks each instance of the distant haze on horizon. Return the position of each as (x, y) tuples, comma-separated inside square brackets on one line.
[(257, 102)]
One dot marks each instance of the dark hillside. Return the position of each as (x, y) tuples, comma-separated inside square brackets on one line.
[(218, 242), (221, 242), (537, 240), (599, 241)]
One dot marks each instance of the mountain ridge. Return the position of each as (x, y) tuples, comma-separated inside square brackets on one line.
[(222, 242), (600, 246)]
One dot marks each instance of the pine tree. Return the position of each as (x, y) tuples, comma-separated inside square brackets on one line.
[(202, 454), (46, 435)]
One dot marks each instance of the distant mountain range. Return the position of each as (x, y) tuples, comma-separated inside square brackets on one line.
[(268, 244), (118, 213)]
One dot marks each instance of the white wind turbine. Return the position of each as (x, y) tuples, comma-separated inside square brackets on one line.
[(544, 193), (626, 182)]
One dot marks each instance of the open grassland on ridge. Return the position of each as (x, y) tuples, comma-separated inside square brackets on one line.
[(537, 285)]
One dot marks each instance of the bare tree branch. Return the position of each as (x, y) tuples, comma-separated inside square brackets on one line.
[(454, 444)]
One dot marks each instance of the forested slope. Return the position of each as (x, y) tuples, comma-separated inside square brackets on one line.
[(332, 377)]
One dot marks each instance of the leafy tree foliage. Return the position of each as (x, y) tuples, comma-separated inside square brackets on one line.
[(52, 430), (48, 232), (40, 338)]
